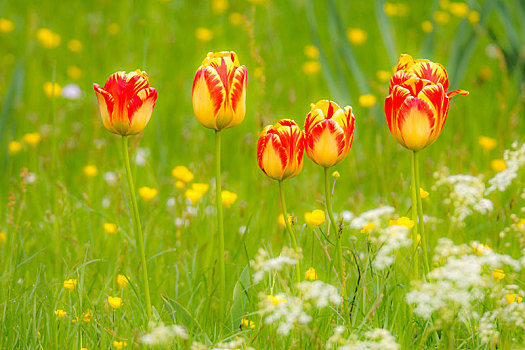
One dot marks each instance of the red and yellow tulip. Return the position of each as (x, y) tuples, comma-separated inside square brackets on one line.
[(126, 102), (329, 131), (417, 105), (280, 150), (219, 91)]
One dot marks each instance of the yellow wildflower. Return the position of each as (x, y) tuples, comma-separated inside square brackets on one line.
[(336, 175), (32, 138), (444, 4), (356, 36), (228, 198), (87, 316), (487, 143), (368, 228), (390, 9), (70, 284), (147, 193), (427, 26), (114, 302), (179, 184), (310, 274), (90, 171), (52, 89), (513, 298), (110, 228), (315, 218), (423, 193), (122, 280), (473, 16), (113, 29), (3, 237), (383, 75), (60, 313), (47, 38), (6, 25), (402, 221), (119, 344), (74, 320), (521, 224), (258, 72), (248, 323), (203, 34), (74, 45), (418, 238), (193, 195), (441, 17), (276, 300), (14, 147), (311, 67), (200, 187), (236, 18), (219, 7), (74, 72), (498, 165), (480, 249), (281, 220), (180, 172), (498, 274), (458, 9), (367, 100), (311, 52)]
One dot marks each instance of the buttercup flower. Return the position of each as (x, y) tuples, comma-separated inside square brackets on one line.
[(52, 89), (148, 193), (498, 274), (32, 138), (247, 323), (126, 102), (87, 316), (90, 170), (417, 105), (14, 147), (498, 165), (119, 344), (310, 274), (423, 193), (3, 237), (110, 228), (122, 280), (402, 221), (315, 218), (200, 187), (60, 313), (368, 228), (6, 25), (280, 150), (193, 195), (329, 132), (219, 91), (70, 284), (180, 172), (487, 143), (114, 302), (513, 298), (281, 222), (228, 198)]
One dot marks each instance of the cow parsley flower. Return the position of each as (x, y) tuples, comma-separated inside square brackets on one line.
[(264, 264), (322, 294)]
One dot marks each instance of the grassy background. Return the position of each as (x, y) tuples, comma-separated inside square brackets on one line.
[(159, 37)]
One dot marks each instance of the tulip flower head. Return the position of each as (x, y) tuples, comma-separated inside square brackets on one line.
[(417, 105), (280, 150), (126, 102), (329, 132), (219, 91)]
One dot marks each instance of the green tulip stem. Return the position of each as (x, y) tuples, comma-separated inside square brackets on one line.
[(414, 189), (139, 237), (220, 225), (290, 230), (421, 223)]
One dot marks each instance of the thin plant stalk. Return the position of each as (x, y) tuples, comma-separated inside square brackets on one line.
[(139, 237), (220, 224), (339, 246), (421, 223), (415, 243), (290, 230)]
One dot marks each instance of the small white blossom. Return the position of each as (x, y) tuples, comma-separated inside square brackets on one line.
[(371, 216), (321, 293), (71, 92)]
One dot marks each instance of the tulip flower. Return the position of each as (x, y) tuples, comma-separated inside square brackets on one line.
[(219, 91), (126, 102), (280, 150), (417, 105), (329, 131), (416, 109), (280, 156), (219, 102)]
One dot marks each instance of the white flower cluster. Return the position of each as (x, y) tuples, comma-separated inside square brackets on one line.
[(454, 288), (264, 264), (466, 195), (235, 344), (371, 216), (284, 311), (322, 294), (161, 334), (512, 316), (390, 240), (514, 159), (376, 339)]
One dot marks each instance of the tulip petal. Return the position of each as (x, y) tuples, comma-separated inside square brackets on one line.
[(325, 143), (140, 110), (456, 92), (392, 105), (272, 156), (238, 95), (105, 103), (208, 95), (432, 71), (415, 122), (399, 78)]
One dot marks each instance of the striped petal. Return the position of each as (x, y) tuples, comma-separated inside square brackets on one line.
[(434, 72), (415, 122), (392, 105), (399, 78), (456, 92), (271, 155), (325, 143), (435, 96), (208, 96), (238, 95), (140, 109), (105, 104)]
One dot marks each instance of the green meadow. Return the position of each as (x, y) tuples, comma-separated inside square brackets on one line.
[(71, 275)]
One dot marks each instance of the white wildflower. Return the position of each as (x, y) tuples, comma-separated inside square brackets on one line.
[(371, 216), (514, 159), (170, 202), (284, 311), (71, 92), (264, 264), (141, 156), (390, 240), (322, 294), (347, 215), (235, 344), (161, 334), (376, 339), (110, 178)]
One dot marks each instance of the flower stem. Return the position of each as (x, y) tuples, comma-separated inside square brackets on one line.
[(290, 230), (339, 246), (421, 222), (139, 237), (220, 226), (415, 243)]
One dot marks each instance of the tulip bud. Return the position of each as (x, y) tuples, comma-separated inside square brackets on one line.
[(280, 150), (329, 132), (126, 102), (219, 91), (417, 105)]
